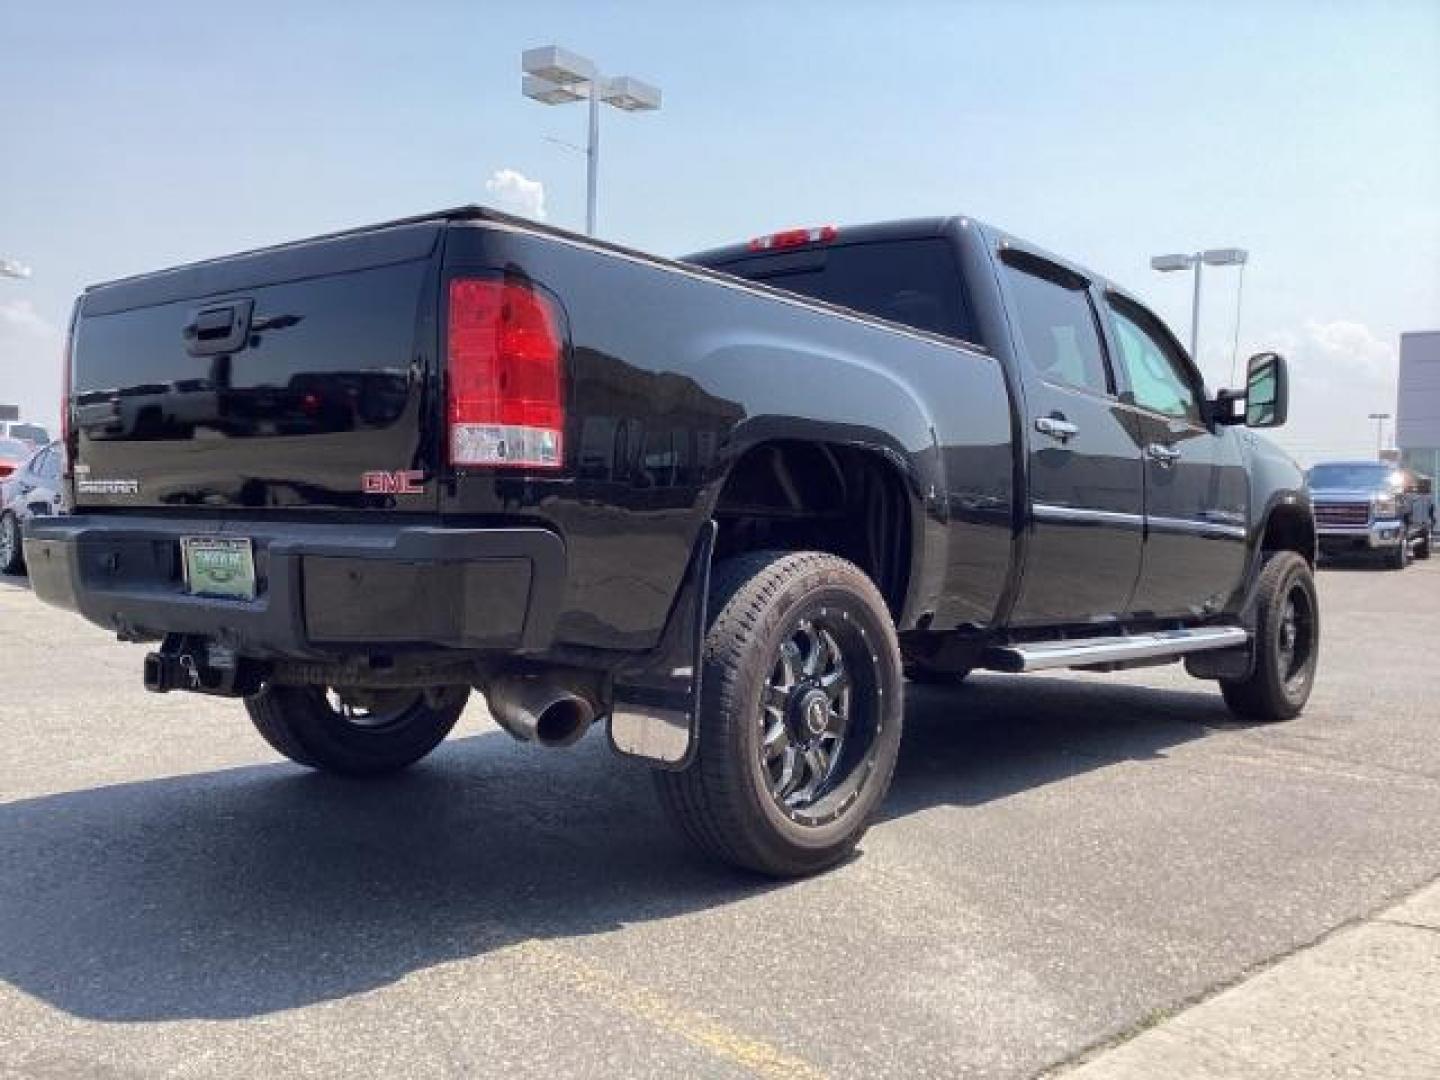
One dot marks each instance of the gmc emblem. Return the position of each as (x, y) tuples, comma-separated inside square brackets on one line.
[(399, 482)]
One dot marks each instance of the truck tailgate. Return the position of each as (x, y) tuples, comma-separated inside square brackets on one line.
[(288, 379)]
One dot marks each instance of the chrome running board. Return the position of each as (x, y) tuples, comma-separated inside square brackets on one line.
[(1114, 649)]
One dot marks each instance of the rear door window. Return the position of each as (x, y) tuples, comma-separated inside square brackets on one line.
[(1057, 326), (913, 282)]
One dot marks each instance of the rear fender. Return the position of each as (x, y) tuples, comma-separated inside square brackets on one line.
[(864, 407)]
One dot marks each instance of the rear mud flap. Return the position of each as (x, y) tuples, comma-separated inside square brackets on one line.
[(657, 696)]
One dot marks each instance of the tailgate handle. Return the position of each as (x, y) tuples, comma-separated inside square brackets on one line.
[(220, 328)]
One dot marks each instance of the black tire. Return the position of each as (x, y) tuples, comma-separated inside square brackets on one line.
[(12, 549), (922, 675), (764, 609), (1422, 549), (1288, 611), (303, 724), (1399, 559)]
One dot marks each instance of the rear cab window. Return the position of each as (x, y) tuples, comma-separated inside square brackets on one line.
[(29, 433), (914, 282)]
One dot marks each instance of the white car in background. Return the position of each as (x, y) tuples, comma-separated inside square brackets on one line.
[(34, 489)]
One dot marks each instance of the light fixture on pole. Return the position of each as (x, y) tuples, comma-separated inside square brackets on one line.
[(1213, 257), (12, 269), (1379, 418), (555, 76)]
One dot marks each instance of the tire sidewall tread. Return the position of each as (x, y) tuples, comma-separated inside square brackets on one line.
[(720, 801), (16, 563), (1262, 696)]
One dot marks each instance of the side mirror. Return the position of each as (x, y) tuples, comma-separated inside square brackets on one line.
[(1267, 391)]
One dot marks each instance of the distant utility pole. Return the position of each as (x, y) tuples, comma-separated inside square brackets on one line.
[(1379, 418), (554, 76), (1214, 257)]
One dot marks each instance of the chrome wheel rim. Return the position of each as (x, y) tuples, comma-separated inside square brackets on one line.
[(818, 716), (7, 540)]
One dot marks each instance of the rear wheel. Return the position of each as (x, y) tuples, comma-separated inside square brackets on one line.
[(1422, 549), (800, 715), (355, 732), (12, 550), (1287, 644)]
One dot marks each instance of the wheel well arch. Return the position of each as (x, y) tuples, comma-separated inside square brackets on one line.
[(1290, 526), (799, 494)]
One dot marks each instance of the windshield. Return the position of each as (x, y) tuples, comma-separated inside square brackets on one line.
[(1360, 476)]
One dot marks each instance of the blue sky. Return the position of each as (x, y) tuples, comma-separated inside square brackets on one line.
[(138, 135)]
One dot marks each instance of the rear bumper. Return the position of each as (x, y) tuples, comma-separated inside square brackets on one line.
[(322, 589), (1385, 533)]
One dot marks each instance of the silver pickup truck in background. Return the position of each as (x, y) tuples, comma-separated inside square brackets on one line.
[(1364, 507)]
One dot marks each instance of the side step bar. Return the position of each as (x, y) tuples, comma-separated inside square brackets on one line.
[(1115, 649)]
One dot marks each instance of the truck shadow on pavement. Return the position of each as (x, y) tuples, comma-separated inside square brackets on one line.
[(252, 890), (997, 735)]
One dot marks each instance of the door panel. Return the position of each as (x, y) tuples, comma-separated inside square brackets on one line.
[(1085, 476), (1086, 510), (1196, 487), (1195, 516)]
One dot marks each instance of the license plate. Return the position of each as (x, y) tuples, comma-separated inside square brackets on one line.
[(219, 566)]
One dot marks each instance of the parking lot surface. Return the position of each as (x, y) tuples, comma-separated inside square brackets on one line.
[(1063, 859)]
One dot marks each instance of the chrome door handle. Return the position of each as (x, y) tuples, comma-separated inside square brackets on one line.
[(1056, 427), (1162, 455)]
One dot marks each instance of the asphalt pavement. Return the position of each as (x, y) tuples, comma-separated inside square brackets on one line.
[(1064, 861)]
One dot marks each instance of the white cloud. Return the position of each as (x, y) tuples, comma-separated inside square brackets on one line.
[(514, 192), (1339, 372), (30, 350)]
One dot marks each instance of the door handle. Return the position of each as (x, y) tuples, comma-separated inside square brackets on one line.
[(220, 328), (1162, 455), (1057, 427)]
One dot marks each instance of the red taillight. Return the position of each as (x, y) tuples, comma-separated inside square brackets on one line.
[(794, 238), (505, 386)]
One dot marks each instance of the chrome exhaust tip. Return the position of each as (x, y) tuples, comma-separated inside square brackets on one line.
[(535, 711)]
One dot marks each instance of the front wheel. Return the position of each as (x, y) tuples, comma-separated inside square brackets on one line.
[(12, 551), (1287, 644), (1400, 557), (1422, 549), (800, 715), (355, 732)]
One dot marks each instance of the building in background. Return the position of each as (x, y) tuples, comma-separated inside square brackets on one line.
[(1417, 408)]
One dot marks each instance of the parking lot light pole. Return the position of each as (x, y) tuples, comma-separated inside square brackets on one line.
[(1213, 257), (1379, 418), (12, 269), (556, 76)]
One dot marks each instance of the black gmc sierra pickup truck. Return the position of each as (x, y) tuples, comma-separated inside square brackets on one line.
[(725, 504)]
